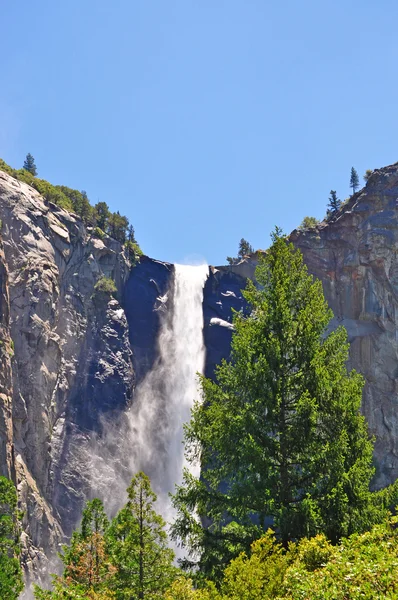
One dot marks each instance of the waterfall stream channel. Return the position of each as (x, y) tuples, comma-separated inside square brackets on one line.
[(150, 436)]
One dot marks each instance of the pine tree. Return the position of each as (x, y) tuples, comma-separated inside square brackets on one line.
[(131, 235), (244, 248), (138, 545), (354, 180), (117, 226), (334, 203), (29, 164), (279, 433), (87, 568), (102, 214)]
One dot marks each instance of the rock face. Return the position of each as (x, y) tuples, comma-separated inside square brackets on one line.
[(356, 257), (72, 361), (145, 298), (6, 352), (222, 294)]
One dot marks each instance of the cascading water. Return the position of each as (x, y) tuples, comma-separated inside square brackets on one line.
[(149, 437), (163, 401)]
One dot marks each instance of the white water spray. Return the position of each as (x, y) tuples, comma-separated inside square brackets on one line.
[(151, 437), (164, 399)]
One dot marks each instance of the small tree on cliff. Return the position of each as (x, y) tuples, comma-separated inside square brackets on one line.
[(29, 164), (354, 180), (244, 248), (279, 433), (334, 203)]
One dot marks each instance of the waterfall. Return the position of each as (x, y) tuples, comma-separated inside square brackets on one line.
[(149, 437), (164, 399)]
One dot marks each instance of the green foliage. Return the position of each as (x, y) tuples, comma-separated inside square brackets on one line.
[(127, 558), (87, 566), (138, 546), (80, 203), (99, 233), (134, 252), (368, 174), (11, 583), (361, 566), (29, 164), (105, 285), (182, 589), (309, 223), (244, 249), (98, 216), (102, 215), (279, 434), (117, 226), (334, 203), (354, 180)]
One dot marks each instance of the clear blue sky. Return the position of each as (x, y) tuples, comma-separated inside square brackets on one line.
[(203, 121)]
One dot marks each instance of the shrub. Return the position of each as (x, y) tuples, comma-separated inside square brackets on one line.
[(368, 175), (309, 223), (134, 252), (97, 232), (105, 285)]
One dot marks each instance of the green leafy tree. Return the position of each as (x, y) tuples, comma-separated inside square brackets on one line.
[(279, 433), (11, 583), (334, 203), (138, 546), (362, 566), (29, 164), (354, 180)]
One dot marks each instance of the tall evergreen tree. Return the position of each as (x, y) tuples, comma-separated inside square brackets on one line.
[(29, 164), (279, 434), (11, 583), (138, 545), (334, 203), (354, 180)]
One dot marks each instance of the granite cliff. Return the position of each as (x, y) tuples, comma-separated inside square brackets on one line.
[(71, 356), (71, 359)]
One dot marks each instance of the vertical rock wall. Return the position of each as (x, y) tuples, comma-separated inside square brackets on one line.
[(356, 257), (72, 361)]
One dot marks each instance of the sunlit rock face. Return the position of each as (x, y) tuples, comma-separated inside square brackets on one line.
[(356, 257), (72, 358)]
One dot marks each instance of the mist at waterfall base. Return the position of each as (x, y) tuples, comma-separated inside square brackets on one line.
[(149, 437)]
